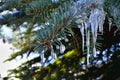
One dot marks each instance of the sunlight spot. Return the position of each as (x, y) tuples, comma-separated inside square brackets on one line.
[(5, 52)]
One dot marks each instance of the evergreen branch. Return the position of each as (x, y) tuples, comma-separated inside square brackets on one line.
[(9, 4), (19, 53), (51, 8), (46, 42), (27, 9), (31, 62), (8, 17), (26, 1)]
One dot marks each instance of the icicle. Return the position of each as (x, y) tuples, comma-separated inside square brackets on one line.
[(82, 33), (42, 57), (94, 26), (57, 47), (88, 45), (66, 39), (97, 18), (87, 41), (101, 26), (62, 48), (87, 25), (88, 59), (87, 33), (94, 50), (110, 23), (101, 19), (53, 54)]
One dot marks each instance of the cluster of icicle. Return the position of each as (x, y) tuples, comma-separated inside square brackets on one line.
[(90, 25), (53, 54)]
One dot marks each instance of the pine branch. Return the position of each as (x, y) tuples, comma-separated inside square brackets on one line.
[(10, 17), (56, 31), (51, 8)]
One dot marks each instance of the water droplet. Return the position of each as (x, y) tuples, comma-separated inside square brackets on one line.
[(62, 48)]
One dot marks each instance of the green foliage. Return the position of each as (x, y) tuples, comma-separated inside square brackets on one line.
[(53, 28), (113, 10)]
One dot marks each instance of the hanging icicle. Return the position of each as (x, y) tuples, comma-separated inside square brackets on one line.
[(101, 19), (94, 50), (97, 18), (110, 23), (42, 57), (94, 25), (62, 48), (88, 45), (53, 54), (81, 27), (87, 26), (88, 58), (57, 47)]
